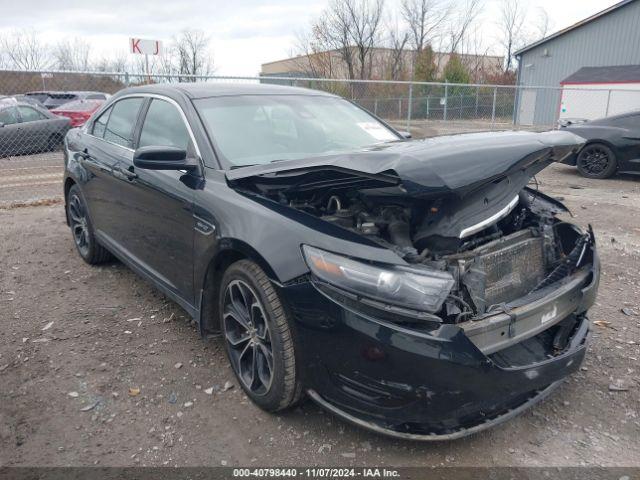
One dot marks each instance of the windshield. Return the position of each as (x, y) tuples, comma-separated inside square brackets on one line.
[(258, 129)]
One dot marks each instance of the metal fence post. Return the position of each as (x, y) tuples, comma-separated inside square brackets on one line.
[(399, 108), (446, 94), (126, 79), (477, 95), (409, 107), (375, 107), (493, 107), (606, 112), (461, 105), (428, 100)]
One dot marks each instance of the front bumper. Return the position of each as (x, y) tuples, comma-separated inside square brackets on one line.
[(443, 384)]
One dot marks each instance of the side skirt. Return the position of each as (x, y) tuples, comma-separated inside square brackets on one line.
[(193, 311)]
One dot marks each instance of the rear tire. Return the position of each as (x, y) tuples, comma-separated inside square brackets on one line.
[(82, 230), (258, 338), (596, 160)]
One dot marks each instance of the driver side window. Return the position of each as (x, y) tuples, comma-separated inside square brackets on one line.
[(163, 127)]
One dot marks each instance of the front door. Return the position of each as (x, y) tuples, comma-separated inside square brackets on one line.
[(36, 129), (157, 216)]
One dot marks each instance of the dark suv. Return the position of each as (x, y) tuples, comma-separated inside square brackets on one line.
[(417, 288)]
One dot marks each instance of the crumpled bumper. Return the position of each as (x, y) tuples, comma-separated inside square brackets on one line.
[(436, 385)]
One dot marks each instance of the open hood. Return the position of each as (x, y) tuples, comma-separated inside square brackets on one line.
[(457, 164)]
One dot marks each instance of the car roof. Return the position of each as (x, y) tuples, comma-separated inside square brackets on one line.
[(206, 90), (18, 103)]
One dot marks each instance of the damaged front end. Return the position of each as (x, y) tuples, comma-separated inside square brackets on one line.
[(486, 307)]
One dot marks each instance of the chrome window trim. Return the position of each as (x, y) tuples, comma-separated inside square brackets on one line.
[(159, 97)]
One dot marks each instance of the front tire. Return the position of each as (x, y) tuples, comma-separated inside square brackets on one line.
[(596, 160), (82, 230), (258, 337)]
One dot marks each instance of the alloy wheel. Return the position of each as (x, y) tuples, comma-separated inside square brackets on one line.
[(594, 160), (248, 338), (79, 224)]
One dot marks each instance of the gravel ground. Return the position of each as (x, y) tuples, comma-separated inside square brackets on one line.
[(98, 368)]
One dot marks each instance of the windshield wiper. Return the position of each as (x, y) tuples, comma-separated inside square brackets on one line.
[(234, 167)]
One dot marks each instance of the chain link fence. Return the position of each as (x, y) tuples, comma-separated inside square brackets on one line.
[(37, 108)]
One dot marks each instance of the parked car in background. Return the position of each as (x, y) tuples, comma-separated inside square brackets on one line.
[(26, 128), (53, 99), (613, 145), (29, 100), (416, 288), (78, 111)]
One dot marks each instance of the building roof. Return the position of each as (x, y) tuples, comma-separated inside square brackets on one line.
[(615, 74), (380, 49), (575, 25)]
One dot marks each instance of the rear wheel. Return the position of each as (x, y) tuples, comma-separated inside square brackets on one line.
[(83, 235), (258, 338), (596, 160)]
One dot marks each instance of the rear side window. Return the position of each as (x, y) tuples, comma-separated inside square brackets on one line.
[(122, 121), (100, 125), (29, 114), (163, 127), (9, 116)]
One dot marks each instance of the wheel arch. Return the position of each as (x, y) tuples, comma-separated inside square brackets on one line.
[(230, 251), (604, 142)]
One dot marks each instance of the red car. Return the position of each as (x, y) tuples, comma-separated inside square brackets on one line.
[(78, 111)]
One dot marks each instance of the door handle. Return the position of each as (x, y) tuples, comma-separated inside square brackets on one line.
[(128, 173)]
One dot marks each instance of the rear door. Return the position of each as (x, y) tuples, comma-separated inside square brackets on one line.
[(108, 143), (157, 216)]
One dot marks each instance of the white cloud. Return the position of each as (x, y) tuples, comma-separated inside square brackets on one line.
[(244, 33)]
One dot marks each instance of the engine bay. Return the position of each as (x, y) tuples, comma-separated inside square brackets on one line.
[(525, 249)]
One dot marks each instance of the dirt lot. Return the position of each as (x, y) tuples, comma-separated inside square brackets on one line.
[(76, 340)]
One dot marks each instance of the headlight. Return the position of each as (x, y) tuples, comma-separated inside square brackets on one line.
[(407, 287)]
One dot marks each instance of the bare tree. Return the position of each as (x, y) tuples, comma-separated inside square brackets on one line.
[(117, 63), (424, 19), (512, 17), (22, 49), (460, 21), (313, 55), (72, 54), (395, 58), (352, 28), (543, 24), (193, 57)]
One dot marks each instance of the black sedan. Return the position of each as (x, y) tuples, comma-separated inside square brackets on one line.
[(613, 145), (27, 128), (416, 288)]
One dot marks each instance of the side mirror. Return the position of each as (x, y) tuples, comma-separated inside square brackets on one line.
[(164, 158), (405, 134), (1, 124)]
